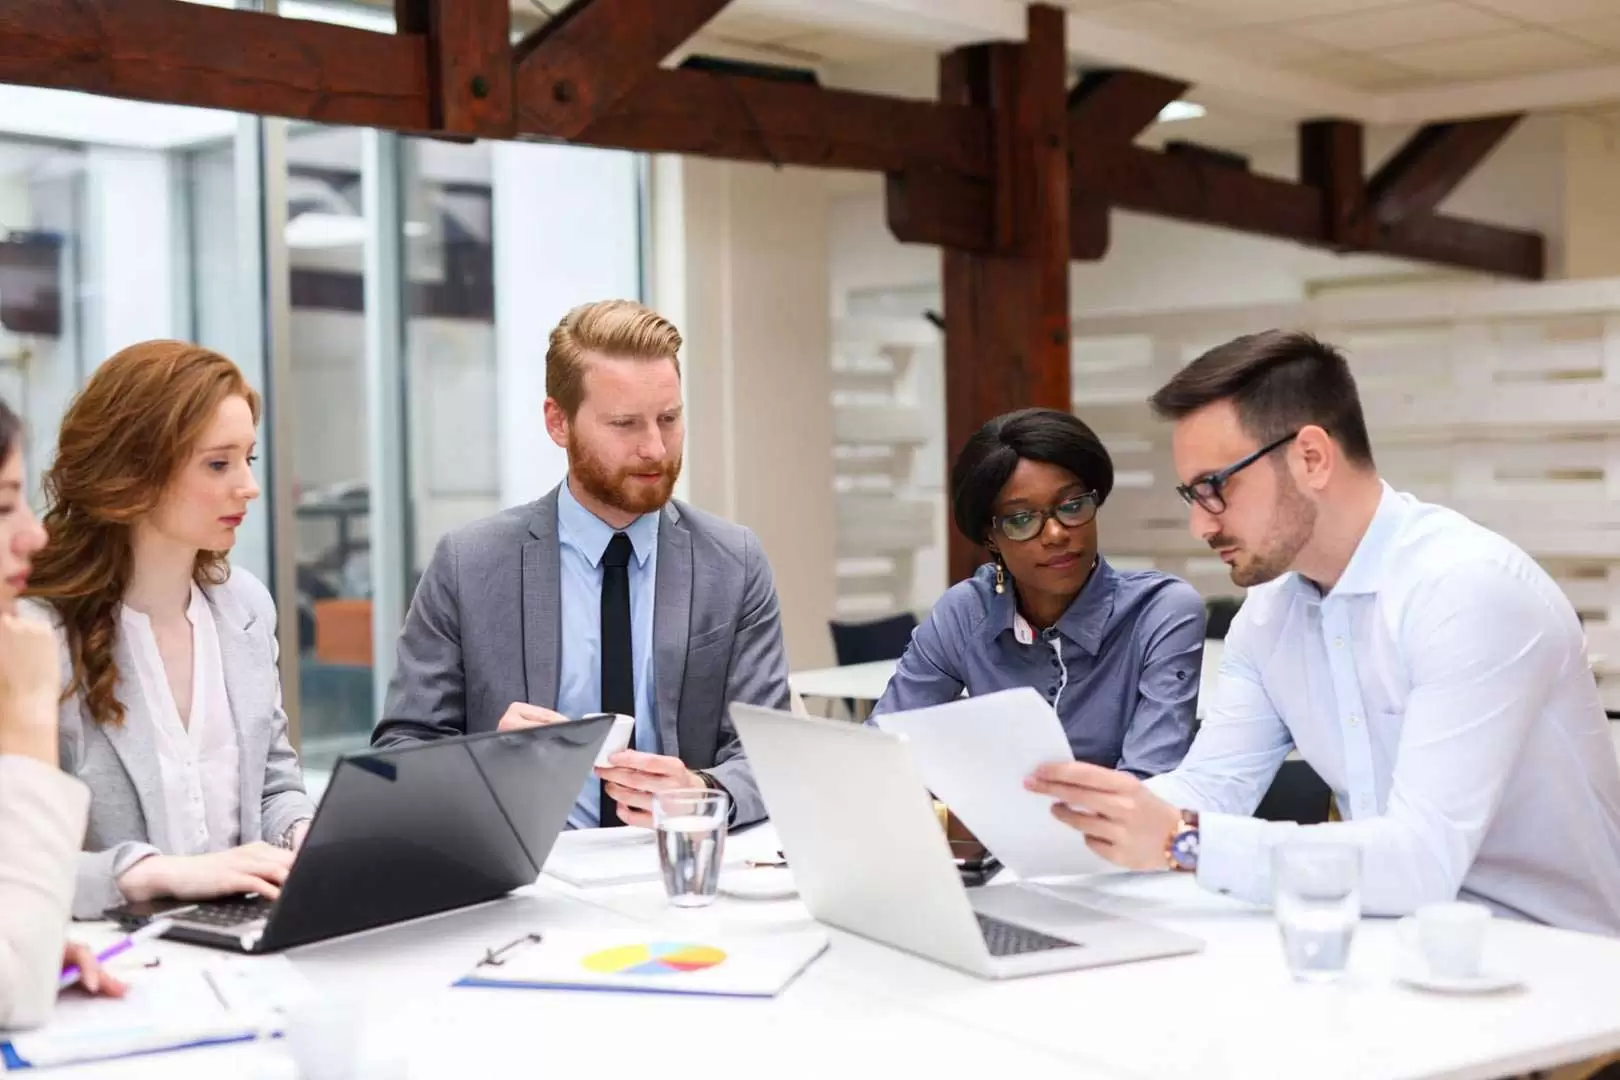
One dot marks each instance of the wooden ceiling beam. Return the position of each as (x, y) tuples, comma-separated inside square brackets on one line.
[(1473, 245), (573, 70), (1111, 108), (742, 118), (1200, 192), (1418, 177), (469, 54), (218, 58), (591, 76)]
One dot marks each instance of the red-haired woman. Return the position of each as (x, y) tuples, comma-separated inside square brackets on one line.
[(171, 711)]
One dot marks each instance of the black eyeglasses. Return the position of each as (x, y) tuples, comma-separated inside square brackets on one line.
[(1071, 513), (1209, 490)]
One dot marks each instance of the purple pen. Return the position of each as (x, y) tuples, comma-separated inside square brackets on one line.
[(154, 929)]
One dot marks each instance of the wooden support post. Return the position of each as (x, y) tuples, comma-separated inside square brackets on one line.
[(469, 54), (1007, 311), (1330, 160)]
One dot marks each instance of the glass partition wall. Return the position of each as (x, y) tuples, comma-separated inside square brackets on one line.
[(354, 276)]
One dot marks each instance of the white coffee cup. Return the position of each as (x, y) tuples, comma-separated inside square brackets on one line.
[(1449, 936)]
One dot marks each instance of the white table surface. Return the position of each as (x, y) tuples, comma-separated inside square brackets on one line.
[(861, 682), (1230, 1011), (865, 683)]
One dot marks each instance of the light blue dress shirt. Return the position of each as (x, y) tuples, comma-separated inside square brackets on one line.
[(583, 539), (1442, 690)]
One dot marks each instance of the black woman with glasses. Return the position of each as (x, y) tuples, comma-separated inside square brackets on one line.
[(1116, 653)]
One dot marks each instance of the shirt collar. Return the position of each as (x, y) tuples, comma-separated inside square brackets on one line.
[(1083, 623), (1364, 574), (589, 534), (196, 608)]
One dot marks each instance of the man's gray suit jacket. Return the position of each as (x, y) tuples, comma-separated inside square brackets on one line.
[(485, 630)]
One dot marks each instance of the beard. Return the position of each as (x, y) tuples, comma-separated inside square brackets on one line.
[(615, 487), (1291, 528)]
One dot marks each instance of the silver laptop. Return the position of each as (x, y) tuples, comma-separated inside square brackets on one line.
[(858, 828)]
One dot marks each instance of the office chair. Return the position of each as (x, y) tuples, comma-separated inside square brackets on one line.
[(1296, 794), (880, 639), (865, 642), (1219, 611)]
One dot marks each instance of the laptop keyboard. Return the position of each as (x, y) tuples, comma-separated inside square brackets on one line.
[(1010, 939), (228, 914)]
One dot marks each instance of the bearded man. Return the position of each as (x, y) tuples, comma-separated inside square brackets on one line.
[(1426, 667), (606, 595)]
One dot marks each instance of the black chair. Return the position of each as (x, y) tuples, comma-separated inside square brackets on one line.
[(1296, 794), (1219, 611), (865, 642)]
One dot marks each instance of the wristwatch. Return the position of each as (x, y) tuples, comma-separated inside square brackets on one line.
[(1181, 849)]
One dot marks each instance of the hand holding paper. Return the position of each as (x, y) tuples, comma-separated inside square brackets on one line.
[(976, 754), (1122, 820)]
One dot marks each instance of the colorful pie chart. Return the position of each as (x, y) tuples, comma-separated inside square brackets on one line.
[(654, 958)]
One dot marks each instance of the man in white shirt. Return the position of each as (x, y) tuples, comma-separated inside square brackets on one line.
[(1427, 668)]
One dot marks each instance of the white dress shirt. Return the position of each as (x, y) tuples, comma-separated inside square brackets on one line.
[(198, 761), (1442, 690)]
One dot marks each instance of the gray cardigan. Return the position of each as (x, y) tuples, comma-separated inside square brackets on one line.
[(120, 763)]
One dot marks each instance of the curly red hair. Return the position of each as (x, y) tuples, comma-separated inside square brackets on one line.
[(125, 435)]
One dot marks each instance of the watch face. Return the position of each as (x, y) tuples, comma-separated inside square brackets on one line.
[(1185, 849)]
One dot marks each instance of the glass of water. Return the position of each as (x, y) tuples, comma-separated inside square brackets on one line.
[(1316, 892), (691, 827)]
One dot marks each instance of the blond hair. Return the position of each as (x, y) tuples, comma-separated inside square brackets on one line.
[(619, 328)]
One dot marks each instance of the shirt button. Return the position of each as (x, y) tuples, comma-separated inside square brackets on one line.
[(1338, 643), (1355, 721)]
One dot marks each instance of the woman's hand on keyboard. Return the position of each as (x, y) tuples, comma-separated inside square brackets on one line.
[(257, 868)]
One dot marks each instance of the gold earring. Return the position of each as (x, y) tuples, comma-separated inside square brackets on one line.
[(1001, 578)]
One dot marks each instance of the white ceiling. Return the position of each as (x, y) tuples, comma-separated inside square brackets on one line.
[(1383, 44), (1381, 61)]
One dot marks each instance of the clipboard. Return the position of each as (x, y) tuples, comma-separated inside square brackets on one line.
[(647, 960)]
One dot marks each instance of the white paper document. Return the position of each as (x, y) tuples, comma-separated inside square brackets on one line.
[(624, 854), (975, 753), (167, 1008)]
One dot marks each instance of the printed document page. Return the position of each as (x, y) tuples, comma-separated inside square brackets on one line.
[(974, 754)]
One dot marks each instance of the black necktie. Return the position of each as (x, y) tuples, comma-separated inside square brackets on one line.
[(618, 672)]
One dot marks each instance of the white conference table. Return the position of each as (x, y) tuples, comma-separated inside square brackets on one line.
[(865, 683), (1228, 1012)]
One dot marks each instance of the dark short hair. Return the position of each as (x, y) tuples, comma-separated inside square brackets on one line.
[(994, 451), (1279, 381), (10, 429)]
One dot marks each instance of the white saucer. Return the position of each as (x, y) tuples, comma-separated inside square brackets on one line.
[(1413, 973), (759, 883)]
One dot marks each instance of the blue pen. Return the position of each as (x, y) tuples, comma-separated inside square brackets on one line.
[(154, 929)]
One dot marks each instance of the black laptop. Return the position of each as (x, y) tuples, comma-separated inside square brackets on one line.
[(408, 832)]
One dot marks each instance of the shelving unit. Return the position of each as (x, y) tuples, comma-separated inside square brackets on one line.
[(886, 437)]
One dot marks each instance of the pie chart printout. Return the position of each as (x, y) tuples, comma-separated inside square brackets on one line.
[(653, 958)]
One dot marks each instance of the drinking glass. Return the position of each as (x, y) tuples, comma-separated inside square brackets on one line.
[(691, 827), (1316, 893)]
